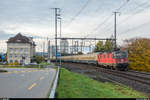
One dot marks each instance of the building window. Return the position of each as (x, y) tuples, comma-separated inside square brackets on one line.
[(10, 49), (10, 55), (26, 55), (16, 62), (21, 49), (16, 50), (26, 49), (15, 55), (21, 61), (21, 55)]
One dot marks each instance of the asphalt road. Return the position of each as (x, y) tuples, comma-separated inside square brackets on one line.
[(26, 83)]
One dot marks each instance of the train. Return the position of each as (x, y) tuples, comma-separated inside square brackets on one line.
[(113, 60)]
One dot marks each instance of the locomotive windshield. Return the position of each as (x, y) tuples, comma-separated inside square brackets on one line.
[(120, 54), (124, 54)]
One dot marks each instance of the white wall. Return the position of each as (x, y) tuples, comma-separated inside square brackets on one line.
[(17, 50)]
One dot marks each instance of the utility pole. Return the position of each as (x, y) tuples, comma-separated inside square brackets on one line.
[(43, 48), (81, 45), (77, 46), (49, 51), (72, 46), (60, 39), (95, 42), (115, 13), (56, 15)]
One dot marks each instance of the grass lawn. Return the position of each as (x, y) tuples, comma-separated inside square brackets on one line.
[(45, 63), (73, 85)]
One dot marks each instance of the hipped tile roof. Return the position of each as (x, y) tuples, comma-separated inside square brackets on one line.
[(19, 38)]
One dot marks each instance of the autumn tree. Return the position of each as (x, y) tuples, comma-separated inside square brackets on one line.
[(80, 53), (100, 46), (139, 53), (108, 46), (38, 59)]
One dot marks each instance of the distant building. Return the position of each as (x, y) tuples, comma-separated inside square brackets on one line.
[(20, 49), (64, 46), (45, 54), (52, 51)]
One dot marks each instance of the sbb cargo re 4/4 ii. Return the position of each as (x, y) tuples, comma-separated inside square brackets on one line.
[(113, 60)]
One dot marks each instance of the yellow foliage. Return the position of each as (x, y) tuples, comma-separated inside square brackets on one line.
[(16, 63), (139, 53), (10, 64)]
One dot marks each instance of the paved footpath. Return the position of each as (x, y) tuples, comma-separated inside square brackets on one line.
[(26, 82)]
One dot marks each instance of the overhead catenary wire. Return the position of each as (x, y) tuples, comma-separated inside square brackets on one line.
[(135, 13), (141, 25), (123, 5), (107, 18), (79, 12)]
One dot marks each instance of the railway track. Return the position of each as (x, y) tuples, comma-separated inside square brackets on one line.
[(131, 76), (145, 73)]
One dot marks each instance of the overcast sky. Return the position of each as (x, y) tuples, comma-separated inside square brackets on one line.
[(80, 18)]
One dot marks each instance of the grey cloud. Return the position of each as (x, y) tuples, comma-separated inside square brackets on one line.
[(4, 35)]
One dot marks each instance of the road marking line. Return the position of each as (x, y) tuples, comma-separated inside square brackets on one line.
[(34, 84), (8, 72), (16, 72), (41, 78), (35, 70), (22, 71)]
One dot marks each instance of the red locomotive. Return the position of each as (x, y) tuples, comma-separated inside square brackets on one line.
[(115, 60)]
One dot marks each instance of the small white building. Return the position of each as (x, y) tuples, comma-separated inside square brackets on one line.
[(20, 49)]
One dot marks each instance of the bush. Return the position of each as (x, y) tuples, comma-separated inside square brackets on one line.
[(16, 63), (10, 64)]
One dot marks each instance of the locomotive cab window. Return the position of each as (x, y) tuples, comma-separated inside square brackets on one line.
[(120, 54), (124, 55), (117, 54)]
